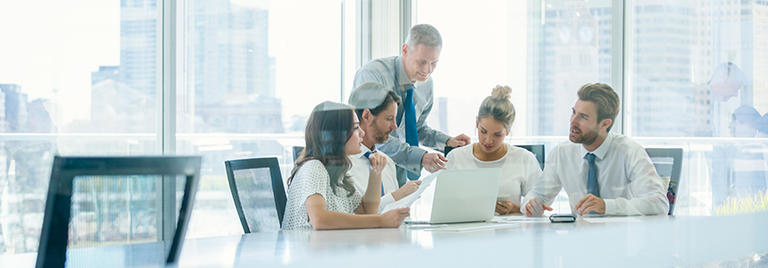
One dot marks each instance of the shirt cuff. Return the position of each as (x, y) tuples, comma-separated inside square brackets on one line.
[(416, 155), (610, 207), (442, 138)]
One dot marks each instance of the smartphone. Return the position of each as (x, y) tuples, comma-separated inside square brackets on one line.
[(557, 218)]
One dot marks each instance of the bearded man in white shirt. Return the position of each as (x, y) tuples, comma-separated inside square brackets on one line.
[(376, 106), (602, 173)]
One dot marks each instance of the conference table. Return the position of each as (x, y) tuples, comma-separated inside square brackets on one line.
[(636, 241)]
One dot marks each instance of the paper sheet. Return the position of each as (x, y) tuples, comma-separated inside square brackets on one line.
[(518, 219), (408, 200)]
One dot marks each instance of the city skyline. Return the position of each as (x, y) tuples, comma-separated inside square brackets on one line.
[(244, 69)]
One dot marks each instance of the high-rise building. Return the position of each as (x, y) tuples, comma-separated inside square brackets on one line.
[(105, 73), (699, 59), (15, 107), (139, 46), (572, 49), (231, 75), (118, 107), (673, 51), (3, 120), (662, 62)]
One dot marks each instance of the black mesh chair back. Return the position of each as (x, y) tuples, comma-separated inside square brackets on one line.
[(258, 192), (67, 171), (537, 150), (297, 152), (668, 163)]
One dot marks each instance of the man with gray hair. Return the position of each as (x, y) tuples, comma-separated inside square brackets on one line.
[(408, 76)]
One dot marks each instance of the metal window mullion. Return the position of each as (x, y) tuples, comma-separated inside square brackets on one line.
[(342, 57), (363, 34), (406, 19), (617, 63), (168, 118)]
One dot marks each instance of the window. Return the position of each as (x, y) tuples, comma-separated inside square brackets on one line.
[(75, 81), (252, 72), (697, 69), (545, 51), (703, 61), (544, 58)]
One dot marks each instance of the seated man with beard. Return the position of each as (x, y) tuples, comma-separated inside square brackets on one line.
[(602, 173), (376, 106)]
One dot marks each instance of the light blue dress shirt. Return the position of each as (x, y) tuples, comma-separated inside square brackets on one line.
[(391, 73)]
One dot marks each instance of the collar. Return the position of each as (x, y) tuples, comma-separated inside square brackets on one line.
[(601, 151), (402, 77), (363, 149)]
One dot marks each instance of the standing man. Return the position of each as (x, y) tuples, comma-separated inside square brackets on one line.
[(376, 107), (601, 172), (408, 76)]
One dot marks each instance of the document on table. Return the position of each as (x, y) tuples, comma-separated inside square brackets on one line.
[(407, 201), (518, 219)]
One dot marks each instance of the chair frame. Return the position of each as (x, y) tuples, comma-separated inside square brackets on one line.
[(275, 178), (677, 163), (297, 152), (529, 147), (55, 232)]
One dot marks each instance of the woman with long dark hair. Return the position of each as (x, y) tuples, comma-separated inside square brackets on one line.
[(320, 195)]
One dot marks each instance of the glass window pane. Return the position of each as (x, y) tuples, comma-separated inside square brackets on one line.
[(703, 61), (544, 59), (77, 77), (253, 71), (111, 210), (697, 69)]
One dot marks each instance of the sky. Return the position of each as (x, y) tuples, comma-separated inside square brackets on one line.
[(58, 47), (52, 54)]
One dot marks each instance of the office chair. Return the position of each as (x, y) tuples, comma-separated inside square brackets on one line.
[(668, 163), (297, 152), (255, 195), (54, 238), (537, 150)]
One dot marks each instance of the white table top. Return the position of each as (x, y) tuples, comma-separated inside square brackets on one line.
[(603, 241)]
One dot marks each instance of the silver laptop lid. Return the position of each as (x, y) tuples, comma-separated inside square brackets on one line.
[(461, 195)]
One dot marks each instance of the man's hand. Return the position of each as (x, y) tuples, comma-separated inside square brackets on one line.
[(590, 203), (535, 207), (458, 141), (433, 162)]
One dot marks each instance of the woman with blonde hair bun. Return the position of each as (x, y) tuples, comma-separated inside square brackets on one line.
[(519, 166)]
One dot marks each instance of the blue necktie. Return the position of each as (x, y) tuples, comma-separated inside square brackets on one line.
[(367, 155), (411, 132), (592, 186)]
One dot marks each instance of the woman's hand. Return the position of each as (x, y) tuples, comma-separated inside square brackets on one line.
[(393, 218), (408, 188), (378, 163)]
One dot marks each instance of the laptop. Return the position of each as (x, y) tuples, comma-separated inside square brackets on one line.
[(458, 195)]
